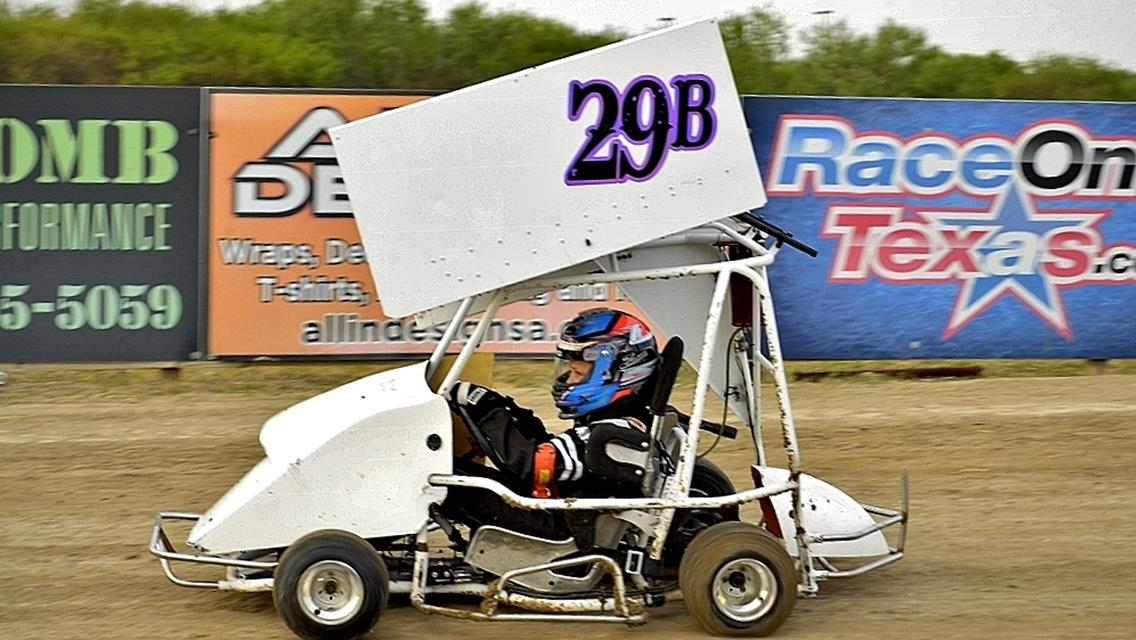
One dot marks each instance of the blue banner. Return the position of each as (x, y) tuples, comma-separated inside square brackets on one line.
[(952, 228)]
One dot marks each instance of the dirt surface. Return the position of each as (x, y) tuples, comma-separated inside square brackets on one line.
[(1023, 516)]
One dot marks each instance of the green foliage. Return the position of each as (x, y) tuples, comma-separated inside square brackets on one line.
[(966, 76), (1072, 79), (758, 44), (396, 44), (476, 45), (898, 61)]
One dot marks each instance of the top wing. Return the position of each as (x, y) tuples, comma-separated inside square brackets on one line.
[(529, 173)]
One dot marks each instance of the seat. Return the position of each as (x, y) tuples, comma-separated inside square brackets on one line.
[(623, 455)]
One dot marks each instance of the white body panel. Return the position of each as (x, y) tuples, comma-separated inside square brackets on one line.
[(827, 510), (466, 192), (353, 458), (677, 306)]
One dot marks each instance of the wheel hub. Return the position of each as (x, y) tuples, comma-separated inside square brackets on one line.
[(330, 592), (745, 589)]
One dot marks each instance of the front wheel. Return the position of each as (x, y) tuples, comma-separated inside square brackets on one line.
[(738, 580), (330, 585)]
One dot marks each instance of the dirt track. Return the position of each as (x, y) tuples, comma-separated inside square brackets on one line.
[(1023, 515)]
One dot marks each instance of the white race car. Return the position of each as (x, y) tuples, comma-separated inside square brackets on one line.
[(345, 507)]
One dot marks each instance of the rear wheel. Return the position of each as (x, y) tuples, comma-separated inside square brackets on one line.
[(708, 481), (330, 585), (738, 580)]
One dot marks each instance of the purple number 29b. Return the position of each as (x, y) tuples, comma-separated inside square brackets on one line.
[(647, 114)]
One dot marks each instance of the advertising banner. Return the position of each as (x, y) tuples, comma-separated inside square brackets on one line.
[(99, 223), (288, 275), (951, 228)]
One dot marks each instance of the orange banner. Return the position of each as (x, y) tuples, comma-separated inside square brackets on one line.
[(287, 273)]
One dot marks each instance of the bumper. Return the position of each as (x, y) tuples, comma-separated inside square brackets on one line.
[(884, 518), (234, 580)]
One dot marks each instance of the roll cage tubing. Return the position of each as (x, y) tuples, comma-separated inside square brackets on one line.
[(676, 489)]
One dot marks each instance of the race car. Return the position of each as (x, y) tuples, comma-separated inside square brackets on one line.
[(348, 505)]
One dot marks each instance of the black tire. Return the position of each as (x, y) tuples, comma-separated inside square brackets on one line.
[(738, 580), (330, 585), (708, 481)]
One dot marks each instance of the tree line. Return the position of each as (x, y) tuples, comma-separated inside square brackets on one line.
[(395, 44)]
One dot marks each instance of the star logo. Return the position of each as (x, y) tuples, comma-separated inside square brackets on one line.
[(1015, 240)]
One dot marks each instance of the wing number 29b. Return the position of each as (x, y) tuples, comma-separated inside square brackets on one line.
[(649, 116)]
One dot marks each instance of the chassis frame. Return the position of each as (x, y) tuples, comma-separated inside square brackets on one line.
[(811, 567)]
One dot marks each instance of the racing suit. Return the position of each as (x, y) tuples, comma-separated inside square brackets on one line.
[(510, 436)]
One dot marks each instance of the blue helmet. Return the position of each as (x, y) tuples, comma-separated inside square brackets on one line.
[(603, 356)]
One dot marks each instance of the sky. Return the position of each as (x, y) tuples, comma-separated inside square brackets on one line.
[(1100, 29)]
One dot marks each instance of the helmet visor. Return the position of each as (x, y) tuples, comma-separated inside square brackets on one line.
[(572, 371)]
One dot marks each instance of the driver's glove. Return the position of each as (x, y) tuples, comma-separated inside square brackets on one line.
[(478, 401)]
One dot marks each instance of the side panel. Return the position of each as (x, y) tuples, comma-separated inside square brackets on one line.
[(356, 458), (828, 510), (679, 306)]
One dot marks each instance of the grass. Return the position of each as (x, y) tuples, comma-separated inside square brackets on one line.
[(212, 377), (988, 368), (533, 373), (304, 379)]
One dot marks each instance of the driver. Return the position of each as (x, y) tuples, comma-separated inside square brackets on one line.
[(605, 365)]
